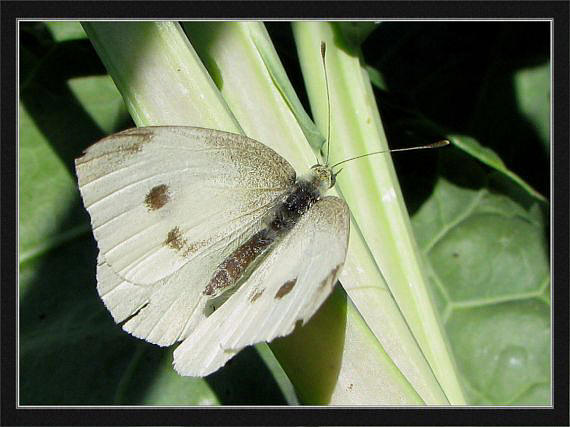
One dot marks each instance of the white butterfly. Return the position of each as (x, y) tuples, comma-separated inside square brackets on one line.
[(209, 238)]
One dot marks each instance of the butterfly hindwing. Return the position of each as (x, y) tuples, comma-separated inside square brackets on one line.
[(288, 286)]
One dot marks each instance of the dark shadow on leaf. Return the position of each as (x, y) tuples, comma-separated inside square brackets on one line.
[(316, 378), (459, 77), (71, 351), (50, 103), (65, 332), (246, 375)]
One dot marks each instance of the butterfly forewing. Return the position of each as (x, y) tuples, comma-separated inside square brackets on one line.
[(168, 205), (160, 196), (289, 285)]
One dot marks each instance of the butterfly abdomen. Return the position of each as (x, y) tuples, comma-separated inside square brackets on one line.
[(279, 223), (233, 267)]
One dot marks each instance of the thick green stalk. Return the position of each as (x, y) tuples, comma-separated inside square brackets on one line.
[(370, 187), (159, 75)]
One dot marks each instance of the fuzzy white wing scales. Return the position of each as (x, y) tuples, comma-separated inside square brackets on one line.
[(287, 287), (167, 205), (159, 196), (161, 314)]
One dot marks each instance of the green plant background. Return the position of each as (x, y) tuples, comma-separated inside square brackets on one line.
[(484, 230)]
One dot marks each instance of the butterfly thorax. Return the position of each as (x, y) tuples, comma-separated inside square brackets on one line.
[(304, 193), (307, 190)]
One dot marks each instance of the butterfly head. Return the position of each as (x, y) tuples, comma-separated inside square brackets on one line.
[(322, 177)]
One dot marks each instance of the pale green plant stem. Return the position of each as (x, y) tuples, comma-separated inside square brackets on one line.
[(371, 189)]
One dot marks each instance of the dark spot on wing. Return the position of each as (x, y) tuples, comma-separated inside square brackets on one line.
[(285, 289), (174, 239), (257, 293), (142, 136), (157, 197), (190, 248), (130, 149)]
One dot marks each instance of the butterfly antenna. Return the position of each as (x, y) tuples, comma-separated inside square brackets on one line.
[(437, 144), (323, 54)]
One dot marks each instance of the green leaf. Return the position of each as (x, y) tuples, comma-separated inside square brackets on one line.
[(47, 189), (490, 158), (490, 271), (532, 88), (502, 349), (356, 32), (376, 78), (53, 126), (66, 30)]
